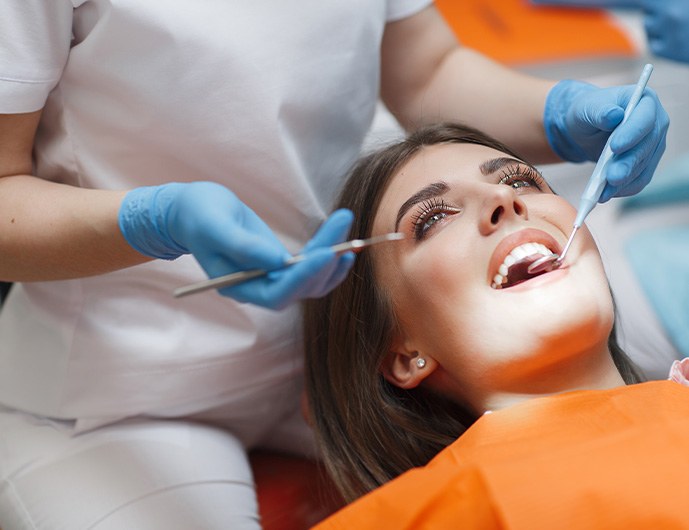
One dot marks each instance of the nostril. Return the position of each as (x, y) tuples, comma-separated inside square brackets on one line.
[(518, 208), (497, 214)]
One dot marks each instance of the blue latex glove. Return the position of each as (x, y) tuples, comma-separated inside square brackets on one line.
[(667, 27), (579, 117), (224, 235)]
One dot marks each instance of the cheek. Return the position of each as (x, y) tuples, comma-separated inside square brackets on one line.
[(595, 287), (439, 280), (553, 209), (430, 295), (443, 311)]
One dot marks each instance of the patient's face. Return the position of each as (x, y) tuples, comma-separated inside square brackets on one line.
[(469, 214)]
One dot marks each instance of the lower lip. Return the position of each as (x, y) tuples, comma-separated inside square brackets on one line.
[(538, 281)]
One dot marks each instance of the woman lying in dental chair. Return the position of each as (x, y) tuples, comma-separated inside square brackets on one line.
[(451, 389)]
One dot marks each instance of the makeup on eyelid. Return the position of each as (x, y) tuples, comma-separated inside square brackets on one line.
[(434, 209), (522, 171)]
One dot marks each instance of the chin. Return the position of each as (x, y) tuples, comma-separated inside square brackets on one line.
[(563, 316), (551, 349), (579, 324), (586, 312)]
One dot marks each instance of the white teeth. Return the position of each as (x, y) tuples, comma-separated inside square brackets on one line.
[(497, 281), (531, 248), (518, 253)]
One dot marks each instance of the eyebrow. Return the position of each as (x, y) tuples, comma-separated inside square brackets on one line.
[(439, 188), (495, 164), (428, 192)]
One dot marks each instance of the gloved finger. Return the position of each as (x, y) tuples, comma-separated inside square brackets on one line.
[(216, 264), (284, 286), (650, 7), (344, 265), (625, 167), (302, 279), (312, 275), (656, 44), (636, 185), (334, 230), (666, 23), (639, 183), (631, 186), (652, 24), (638, 126), (219, 257), (608, 193), (601, 116), (252, 244), (213, 223), (327, 279)]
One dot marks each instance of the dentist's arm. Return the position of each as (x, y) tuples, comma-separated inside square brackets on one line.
[(51, 231), (427, 76)]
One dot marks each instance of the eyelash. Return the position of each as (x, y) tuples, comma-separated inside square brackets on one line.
[(519, 173), (435, 205), (425, 211)]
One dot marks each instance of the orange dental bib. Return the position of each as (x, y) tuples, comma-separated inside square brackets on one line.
[(581, 460)]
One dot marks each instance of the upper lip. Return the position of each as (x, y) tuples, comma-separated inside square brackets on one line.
[(513, 240)]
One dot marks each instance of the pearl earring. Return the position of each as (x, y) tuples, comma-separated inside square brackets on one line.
[(420, 362)]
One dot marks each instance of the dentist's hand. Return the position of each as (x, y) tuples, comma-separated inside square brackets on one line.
[(224, 235), (667, 27), (579, 117)]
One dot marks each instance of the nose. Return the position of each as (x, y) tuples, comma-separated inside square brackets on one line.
[(501, 204)]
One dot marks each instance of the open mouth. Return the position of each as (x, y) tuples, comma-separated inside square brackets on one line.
[(514, 269)]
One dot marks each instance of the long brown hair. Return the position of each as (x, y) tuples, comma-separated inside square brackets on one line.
[(368, 430)]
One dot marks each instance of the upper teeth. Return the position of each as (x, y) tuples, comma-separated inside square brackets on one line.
[(518, 253)]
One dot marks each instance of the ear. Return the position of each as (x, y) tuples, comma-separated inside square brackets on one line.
[(401, 369)]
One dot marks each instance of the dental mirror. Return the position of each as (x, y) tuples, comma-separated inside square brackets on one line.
[(553, 261)]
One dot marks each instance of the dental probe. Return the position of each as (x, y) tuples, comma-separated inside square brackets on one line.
[(596, 183), (238, 277)]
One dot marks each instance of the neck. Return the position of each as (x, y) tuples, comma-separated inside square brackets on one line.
[(596, 371)]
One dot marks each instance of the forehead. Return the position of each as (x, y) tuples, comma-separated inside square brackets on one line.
[(448, 162), (451, 163)]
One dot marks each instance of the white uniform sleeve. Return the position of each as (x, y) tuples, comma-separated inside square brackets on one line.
[(35, 38), (399, 9)]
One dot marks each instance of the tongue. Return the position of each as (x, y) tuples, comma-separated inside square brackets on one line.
[(519, 273)]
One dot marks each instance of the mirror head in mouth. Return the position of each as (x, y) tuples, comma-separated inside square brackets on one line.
[(517, 265)]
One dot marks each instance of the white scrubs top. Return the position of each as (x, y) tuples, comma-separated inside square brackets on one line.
[(270, 97)]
